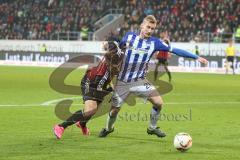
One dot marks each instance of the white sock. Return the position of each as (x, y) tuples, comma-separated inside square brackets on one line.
[(154, 118), (110, 122)]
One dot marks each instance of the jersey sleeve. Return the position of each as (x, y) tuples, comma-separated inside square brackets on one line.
[(162, 46), (183, 53)]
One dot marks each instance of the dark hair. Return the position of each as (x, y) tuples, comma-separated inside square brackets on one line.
[(114, 54)]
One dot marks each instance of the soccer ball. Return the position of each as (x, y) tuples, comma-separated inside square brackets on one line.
[(182, 142)]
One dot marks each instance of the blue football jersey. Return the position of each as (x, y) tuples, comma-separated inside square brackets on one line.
[(138, 54)]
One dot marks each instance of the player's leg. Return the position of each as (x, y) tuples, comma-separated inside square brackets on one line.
[(233, 68), (112, 116), (117, 102), (145, 89), (230, 64), (81, 115), (120, 94), (227, 66), (76, 117), (90, 109), (157, 102), (156, 71), (59, 128), (168, 72)]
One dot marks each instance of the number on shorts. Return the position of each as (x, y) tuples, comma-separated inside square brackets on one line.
[(147, 85)]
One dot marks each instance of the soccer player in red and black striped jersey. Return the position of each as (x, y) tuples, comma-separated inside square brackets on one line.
[(162, 58), (95, 86)]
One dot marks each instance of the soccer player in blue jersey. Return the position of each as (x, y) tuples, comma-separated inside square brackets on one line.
[(132, 77)]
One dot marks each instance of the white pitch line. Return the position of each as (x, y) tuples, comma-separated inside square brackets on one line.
[(19, 105), (57, 100)]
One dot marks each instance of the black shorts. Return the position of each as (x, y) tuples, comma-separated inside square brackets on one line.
[(92, 93), (162, 61), (230, 58)]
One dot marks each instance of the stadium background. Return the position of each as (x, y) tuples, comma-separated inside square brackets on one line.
[(36, 36)]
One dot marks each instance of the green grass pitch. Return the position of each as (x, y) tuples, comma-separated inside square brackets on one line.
[(208, 103)]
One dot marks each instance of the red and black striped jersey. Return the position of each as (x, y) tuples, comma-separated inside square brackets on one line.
[(99, 77)]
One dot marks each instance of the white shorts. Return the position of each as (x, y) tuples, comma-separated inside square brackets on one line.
[(141, 88)]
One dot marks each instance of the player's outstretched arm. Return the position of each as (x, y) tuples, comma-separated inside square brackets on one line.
[(183, 53)]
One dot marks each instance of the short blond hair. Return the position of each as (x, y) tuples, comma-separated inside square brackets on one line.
[(150, 19)]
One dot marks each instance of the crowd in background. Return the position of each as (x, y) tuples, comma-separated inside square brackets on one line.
[(184, 20), (40, 19)]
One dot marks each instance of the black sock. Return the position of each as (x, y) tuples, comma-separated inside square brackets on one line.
[(169, 76), (77, 116), (84, 123), (155, 75), (169, 73)]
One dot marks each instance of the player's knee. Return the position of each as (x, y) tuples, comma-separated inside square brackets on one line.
[(90, 112), (158, 106), (158, 101)]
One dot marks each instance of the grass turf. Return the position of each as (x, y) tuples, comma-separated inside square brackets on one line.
[(209, 106)]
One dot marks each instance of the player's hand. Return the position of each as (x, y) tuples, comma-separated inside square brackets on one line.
[(202, 60)]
